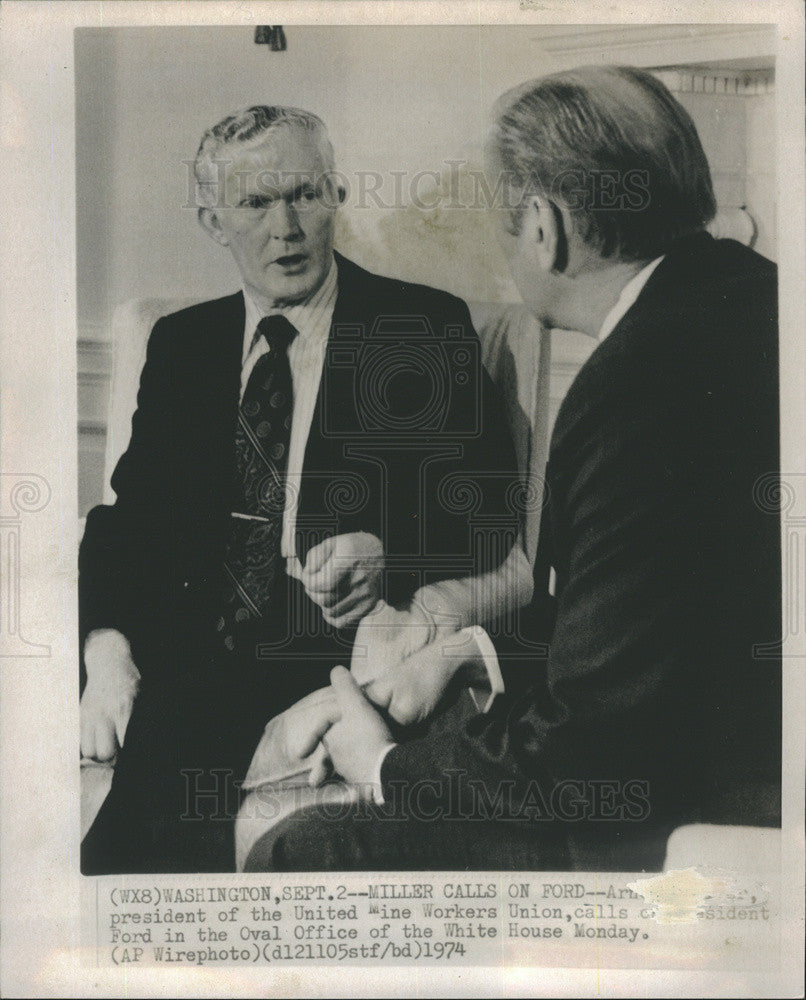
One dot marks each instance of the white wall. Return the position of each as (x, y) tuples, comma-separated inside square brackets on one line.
[(393, 99), (738, 136), (760, 188)]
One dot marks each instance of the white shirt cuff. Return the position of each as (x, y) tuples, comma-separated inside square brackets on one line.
[(482, 698), (377, 787)]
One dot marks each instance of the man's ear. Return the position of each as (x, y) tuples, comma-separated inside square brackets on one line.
[(341, 194), (208, 220), (548, 229)]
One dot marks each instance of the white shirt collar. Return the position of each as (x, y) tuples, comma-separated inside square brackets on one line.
[(629, 294), (311, 318)]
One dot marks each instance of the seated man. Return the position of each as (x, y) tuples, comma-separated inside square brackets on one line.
[(659, 700), (287, 442)]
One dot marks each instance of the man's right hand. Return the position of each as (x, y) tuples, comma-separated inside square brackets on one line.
[(411, 690), (112, 684), (404, 661)]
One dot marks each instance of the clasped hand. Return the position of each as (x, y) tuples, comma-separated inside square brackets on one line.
[(405, 686), (404, 661), (344, 575), (350, 729)]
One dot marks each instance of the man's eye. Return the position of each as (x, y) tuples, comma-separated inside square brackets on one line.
[(308, 195), (255, 201)]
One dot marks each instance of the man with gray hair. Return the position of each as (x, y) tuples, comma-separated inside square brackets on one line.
[(287, 442), (658, 574)]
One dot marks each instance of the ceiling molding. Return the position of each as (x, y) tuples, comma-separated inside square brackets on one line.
[(563, 38), (659, 44)]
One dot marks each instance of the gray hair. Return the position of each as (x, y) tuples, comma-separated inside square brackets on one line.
[(609, 120), (246, 126)]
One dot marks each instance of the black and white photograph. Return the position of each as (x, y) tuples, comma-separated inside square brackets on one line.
[(376, 501), (434, 523)]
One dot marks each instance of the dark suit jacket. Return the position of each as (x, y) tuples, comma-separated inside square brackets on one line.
[(408, 441), (662, 676)]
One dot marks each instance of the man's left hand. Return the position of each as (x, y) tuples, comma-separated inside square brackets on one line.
[(288, 746), (386, 636), (356, 741)]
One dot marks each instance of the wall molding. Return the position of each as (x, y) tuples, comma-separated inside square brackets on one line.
[(742, 83), (94, 357)]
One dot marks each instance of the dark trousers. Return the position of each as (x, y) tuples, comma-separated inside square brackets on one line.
[(176, 787), (459, 824), (365, 837), (175, 793), (419, 827)]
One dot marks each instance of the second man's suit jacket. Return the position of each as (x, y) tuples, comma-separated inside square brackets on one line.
[(658, 700)]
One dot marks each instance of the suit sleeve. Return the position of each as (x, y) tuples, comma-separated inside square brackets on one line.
[(119, 557), (489, 459), (611, 699), (455, 497)]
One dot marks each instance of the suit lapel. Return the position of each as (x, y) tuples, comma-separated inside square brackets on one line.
[(353, 315), (214, 387)]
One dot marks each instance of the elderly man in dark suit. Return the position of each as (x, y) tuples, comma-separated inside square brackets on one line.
[(287, 446), (657, 580)]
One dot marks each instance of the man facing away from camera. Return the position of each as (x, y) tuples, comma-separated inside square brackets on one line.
[(657, 579), (277, 487)]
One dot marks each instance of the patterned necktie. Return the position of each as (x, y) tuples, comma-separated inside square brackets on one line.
[(252, 564)]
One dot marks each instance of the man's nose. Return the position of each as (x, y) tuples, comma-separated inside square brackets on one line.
[(284, 221)]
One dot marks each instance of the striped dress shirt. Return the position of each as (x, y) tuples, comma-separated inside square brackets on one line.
[(306, 355)]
